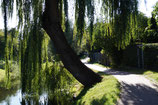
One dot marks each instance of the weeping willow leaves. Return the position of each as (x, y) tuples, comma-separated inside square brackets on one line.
[(84, 7), (59, 85), (31, 57), (102, 36), (31, 36), (122, 14), (5, 12), (90, 14), (80, 15)]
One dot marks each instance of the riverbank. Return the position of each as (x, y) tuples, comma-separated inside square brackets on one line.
[(6, 91), (103, 93)]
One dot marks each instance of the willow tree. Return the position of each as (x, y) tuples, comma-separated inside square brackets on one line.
[(48, 14)]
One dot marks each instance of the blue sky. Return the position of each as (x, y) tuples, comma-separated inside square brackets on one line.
[(145, 8)]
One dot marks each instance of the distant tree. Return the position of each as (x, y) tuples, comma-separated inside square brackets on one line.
[(152, 24), (142, 22), (151, 31), (155, 11)]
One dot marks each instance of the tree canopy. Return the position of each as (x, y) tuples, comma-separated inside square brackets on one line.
[(155, 11), (121, 13), (35, 16)]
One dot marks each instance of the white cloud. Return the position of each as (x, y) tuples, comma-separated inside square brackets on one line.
[(148, 7)]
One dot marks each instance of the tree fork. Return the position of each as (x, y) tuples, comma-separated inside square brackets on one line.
[(51, 24)]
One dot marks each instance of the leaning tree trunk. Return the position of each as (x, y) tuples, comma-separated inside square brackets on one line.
[(51, 24)]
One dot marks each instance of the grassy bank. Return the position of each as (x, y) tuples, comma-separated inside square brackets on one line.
[(104, 93), (14, 76), (2, 74), (14, 83), (152, 76)]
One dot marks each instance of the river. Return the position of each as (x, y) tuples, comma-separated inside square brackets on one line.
[(16, 99)]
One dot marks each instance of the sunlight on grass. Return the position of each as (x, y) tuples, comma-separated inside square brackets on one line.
[(103, 93), (152, 75), (2, 74)]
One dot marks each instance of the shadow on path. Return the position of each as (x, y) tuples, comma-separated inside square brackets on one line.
[(114, 72), (136, 89), (138, 94)]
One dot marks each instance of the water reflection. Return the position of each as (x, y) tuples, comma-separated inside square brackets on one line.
[(52, 86), (13, 99), (35, 100), (18, 99)]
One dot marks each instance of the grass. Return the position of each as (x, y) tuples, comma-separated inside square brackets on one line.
[(2, 74), (151, 75), (5, 91), (14, 77), (101, 65), (2, 78), (103, 93)]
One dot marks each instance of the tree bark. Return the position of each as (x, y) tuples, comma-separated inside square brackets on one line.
[(51, 24)]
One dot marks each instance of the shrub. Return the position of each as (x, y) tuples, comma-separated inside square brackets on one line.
[(151, 56)]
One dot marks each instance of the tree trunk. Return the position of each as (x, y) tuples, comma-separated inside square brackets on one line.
[(51, 24)]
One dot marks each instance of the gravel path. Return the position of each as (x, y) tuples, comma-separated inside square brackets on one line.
[(136, 89)]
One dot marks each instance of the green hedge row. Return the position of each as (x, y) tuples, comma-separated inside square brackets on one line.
[(131, 56), (151, 56)]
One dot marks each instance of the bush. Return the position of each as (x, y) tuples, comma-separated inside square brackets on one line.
[(130, 56), (2, 64), (151, 36), (151, 56)]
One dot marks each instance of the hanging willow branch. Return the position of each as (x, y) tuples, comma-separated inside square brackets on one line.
[(5, 12), (122, 13), (122, 16)]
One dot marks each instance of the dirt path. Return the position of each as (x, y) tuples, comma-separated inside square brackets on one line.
[(136, 89)]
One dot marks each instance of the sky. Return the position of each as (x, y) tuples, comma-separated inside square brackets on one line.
[(148, 7), (145, 8)]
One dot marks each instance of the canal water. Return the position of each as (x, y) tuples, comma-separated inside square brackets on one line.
[(17, 99)]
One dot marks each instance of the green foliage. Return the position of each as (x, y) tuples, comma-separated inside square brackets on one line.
[(2, 44), (142, 25), (117, 31), (104, 38), (122, 17), (59, 83), (104, 93), (53, 80), (152, 23), (8, 49), (31, 57), (151, 32), (151, 36), (155, 11), (81, 46), (150, 56), (14, 76), (2, 73)]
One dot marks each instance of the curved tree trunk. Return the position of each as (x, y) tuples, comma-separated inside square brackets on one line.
[(51, 24)]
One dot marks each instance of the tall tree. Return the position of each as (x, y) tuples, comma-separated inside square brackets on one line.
[(31, 15), (51, 23)]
